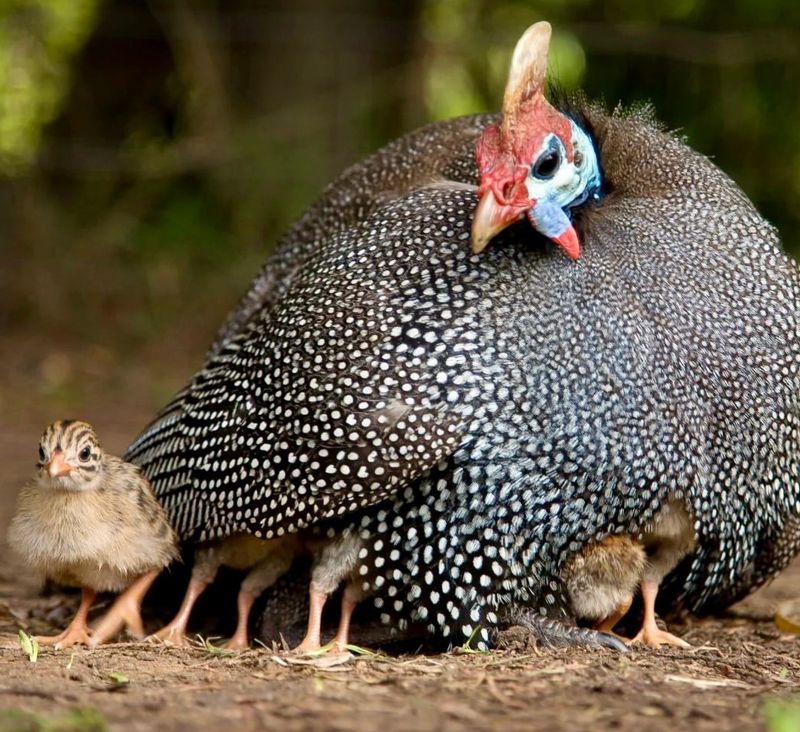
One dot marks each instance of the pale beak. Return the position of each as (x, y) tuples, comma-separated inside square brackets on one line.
[(58, 467), (490, 218)]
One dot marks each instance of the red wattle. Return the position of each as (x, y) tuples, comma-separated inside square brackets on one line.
[(568, 241)]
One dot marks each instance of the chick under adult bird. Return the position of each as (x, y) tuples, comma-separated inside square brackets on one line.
[(471, 422), (266, 562), (91, 520)]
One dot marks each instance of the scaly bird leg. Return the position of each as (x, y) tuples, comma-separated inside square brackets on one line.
[(175, 632), (238, 641), (607, 624), (77, 632), (316, 604), (350, 600), (650, 633), (125, 612)]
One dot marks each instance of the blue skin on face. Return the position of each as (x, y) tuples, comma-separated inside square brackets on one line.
[(549, 215), (549, 218)]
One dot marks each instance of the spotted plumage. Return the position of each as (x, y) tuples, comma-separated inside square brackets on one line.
[(90, 520), (473, 421)]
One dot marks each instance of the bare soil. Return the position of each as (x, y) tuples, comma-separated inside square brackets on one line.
[(738, 673)]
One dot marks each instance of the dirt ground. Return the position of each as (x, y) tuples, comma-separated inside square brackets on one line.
[(741, 674)]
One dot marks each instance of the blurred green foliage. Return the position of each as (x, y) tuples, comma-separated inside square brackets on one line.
[(38, 39), (153, 153), (782, 715)]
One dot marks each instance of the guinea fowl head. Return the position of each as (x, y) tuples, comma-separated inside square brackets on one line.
[(70, 456), (535, 161)]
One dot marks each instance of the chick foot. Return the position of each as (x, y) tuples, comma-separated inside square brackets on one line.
[(655, 638), (650, 633), (125, 612), (77, 632)]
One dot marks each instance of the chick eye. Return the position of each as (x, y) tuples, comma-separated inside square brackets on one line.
[(85, 454), (42, 456), (547, 165)]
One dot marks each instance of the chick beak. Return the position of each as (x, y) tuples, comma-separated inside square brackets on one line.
[(58, 467), (490, 218)]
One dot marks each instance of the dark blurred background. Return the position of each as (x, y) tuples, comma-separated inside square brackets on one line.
[(151, 153)]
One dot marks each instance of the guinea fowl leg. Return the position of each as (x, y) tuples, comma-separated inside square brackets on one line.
[(125, 612), (77, 632), (265, 574), (650, 633)]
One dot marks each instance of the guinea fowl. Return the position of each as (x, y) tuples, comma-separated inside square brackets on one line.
[(90, 519), (471, 423)]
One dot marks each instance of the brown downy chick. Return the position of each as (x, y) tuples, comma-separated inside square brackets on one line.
[(267, 562), (91, 520), (602, 577)]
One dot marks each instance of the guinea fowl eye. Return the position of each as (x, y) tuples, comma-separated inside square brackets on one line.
[(547, 165), (84, 454)]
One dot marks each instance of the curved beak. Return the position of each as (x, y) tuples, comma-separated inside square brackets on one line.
[(58, 467), (490, 218)]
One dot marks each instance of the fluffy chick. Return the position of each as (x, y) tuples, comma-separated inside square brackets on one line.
[(602, 578), (91, 520)]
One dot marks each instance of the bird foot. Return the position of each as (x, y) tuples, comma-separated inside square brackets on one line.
[(308, 645), (171, 635), (237, 643), (654, 637), (555, 634), (124, 613), (74, 635)]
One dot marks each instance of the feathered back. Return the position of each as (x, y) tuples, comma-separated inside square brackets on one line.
[(504, 409)]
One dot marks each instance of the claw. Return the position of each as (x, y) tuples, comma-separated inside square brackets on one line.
[(77, 632), (555, 634), (655, 638)]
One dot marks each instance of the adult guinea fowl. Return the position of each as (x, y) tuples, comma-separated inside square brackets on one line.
[(469, 424)]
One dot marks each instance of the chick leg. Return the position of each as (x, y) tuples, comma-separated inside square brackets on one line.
[(77, 632), (125, 612), (650, 633), (351, 596), (206, 564), (336, 561), (175, 632), (316, 603), (607, 624), (265, 574)]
